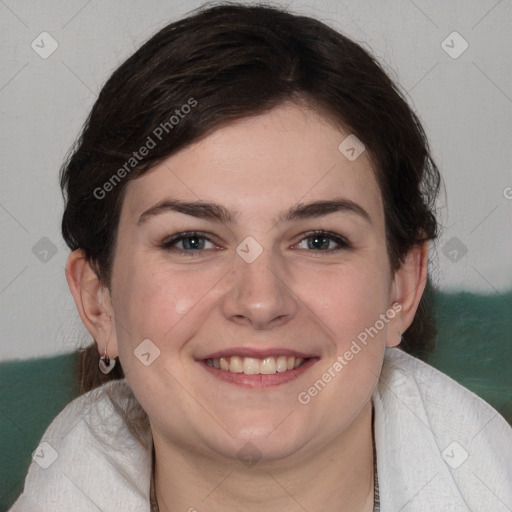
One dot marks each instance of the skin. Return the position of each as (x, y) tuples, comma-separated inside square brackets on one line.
[(317, 456)]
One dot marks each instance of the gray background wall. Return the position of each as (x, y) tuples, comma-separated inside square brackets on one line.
[(464, 99)]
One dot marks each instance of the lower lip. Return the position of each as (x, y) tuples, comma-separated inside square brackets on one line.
[(259, 380)]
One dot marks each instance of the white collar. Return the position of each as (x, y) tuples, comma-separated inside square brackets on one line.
[(424, 424)]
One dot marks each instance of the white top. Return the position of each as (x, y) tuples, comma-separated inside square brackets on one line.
[(439, 448)]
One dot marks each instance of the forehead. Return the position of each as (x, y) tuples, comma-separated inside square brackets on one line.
[(263, 164)]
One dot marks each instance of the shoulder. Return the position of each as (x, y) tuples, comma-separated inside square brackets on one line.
[(104, 414), (107, 411), (440, 437), (440, 401), (405, 374), (92, 441)]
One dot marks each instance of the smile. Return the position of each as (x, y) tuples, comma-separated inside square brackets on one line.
[(253, 366), (255, 370)]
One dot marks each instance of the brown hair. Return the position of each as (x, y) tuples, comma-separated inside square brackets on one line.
[(228, 62)]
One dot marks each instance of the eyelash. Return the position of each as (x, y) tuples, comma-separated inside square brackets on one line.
[(169, 243)]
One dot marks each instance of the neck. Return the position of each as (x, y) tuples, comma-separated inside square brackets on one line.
[(340, 476)]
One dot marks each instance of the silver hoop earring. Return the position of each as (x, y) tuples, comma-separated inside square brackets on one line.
[(106, 364)]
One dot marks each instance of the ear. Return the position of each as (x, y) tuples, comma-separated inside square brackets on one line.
[(92, 299), (407, 289)]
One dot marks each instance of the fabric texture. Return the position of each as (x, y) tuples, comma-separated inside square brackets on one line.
[(439, 448)]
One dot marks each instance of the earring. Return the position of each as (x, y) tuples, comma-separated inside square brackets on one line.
[(106, 364)]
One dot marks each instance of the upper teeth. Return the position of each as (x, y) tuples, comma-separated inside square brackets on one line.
[(252, 366)]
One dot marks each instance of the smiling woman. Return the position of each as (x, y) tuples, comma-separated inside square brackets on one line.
[(254, 288)]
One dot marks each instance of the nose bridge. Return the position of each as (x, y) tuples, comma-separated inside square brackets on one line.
[(261, 275), (259, 294)]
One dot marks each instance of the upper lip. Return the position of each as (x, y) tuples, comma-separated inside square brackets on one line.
[(257, 353)]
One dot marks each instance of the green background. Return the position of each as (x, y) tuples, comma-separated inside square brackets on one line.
[(473, 346)]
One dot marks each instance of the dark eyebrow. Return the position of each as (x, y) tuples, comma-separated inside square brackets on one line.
[(209, 211), (324, 207), (218, 213)]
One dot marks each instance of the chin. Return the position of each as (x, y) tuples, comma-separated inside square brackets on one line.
[(265, 440)]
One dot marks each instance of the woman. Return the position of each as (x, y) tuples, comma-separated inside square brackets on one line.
[(249, 209)]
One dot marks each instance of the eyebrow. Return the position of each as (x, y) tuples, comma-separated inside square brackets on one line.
[(218, 213)]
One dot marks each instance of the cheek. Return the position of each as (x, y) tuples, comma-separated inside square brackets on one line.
[(347, 299), (157, 302), (350, 303), (152, 303)]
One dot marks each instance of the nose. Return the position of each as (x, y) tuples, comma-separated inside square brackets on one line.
[(259, 295)]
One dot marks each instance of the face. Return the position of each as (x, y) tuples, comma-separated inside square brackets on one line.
[(254, 261)]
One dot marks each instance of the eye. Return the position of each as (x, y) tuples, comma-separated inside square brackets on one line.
[(322, 241), (195, 242), (191, 241)]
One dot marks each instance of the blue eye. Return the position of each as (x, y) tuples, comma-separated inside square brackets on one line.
[(191, 241), (321, 241)]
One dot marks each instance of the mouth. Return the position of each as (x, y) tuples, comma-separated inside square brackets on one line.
[(254, 372), (253, 366)]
